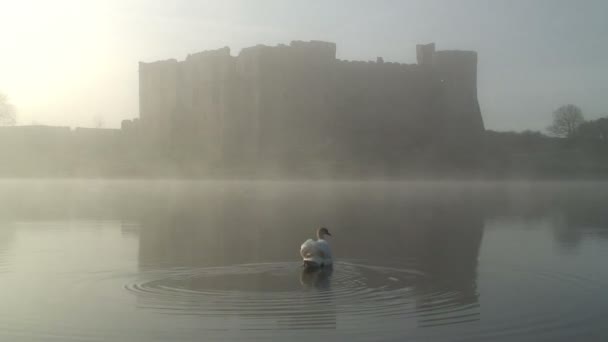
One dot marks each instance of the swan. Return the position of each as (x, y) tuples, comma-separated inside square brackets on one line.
[(317, 253)]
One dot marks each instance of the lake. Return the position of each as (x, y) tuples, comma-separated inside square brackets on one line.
[(93, 260)]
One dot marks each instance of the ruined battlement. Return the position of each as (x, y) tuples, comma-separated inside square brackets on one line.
[(315, 49), (376, 65), (158, 64), (323, 51), (223, 52)]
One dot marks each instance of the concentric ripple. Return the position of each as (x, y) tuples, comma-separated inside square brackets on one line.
[(283, 295), (563, 306)]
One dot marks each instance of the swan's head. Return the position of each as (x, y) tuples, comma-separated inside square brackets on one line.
[(322, 232)]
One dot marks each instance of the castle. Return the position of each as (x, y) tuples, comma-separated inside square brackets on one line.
[(288, 103)]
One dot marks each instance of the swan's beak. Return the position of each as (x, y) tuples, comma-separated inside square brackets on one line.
[(328, 233)]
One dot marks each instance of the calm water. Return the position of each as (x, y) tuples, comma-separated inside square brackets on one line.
[(194, 261)]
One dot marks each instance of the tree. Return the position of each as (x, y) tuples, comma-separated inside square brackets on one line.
[(566, 120), (7, 112), (98, 121), (595, 130)]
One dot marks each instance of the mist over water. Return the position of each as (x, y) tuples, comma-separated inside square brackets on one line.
[(169, 171), (181, 261)]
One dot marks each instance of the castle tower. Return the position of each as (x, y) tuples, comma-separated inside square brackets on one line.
[(157, 96), (424, 53), (456, 72)]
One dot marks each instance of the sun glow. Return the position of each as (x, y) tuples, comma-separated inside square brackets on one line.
[(49, 50)]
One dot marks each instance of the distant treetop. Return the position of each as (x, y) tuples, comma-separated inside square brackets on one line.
[(566, 121), (7, 111)]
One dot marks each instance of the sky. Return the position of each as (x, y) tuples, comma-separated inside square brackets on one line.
[(74, 62)]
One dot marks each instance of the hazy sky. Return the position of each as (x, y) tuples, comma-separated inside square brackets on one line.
[(64, 62)]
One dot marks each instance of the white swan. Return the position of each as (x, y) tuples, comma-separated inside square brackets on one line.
[(317, 253)]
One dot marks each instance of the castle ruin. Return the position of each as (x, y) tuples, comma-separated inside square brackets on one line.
[(285, 103)]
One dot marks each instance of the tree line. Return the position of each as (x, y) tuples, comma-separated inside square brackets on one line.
[(569, 122)]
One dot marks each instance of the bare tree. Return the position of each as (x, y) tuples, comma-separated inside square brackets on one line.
[(98, 121), (566, 120), (7, 111)]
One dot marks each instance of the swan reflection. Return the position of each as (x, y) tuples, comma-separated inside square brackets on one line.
[(313, 309), (316, 278)]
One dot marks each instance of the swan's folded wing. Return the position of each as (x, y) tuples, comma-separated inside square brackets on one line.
[(323, 250), (307, 250)]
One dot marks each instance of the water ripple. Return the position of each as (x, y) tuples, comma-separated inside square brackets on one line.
[(283, 295), (364, 301)]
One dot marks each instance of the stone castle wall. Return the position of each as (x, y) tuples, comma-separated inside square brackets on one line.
[(297, 101)]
